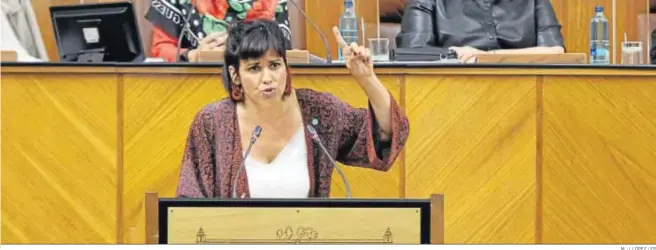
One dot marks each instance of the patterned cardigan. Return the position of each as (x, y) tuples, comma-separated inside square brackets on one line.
[(213, 151)]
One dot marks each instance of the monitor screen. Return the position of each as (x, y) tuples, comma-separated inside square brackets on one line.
[(97, 33)]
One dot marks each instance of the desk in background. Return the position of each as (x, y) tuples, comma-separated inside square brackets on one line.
[(523, 154)]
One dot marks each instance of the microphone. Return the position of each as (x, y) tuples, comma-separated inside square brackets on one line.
[(254, 136), (314, 26), (185, 26), (315, 137)]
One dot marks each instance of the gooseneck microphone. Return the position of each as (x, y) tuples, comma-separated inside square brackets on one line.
[(185, 26), (314, 26), (256, 134), (315, 137)]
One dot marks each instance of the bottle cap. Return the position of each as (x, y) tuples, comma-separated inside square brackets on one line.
[(599, 8)]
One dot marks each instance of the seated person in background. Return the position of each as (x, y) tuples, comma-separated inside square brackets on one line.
[(472, 27), (207, 25)]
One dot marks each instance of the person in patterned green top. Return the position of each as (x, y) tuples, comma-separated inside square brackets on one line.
[(207, 24)]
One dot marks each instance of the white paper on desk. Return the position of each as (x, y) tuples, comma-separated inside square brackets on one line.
[(447, 61), (153, 60)]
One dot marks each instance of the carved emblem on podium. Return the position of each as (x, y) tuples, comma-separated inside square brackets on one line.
[(301, 235)]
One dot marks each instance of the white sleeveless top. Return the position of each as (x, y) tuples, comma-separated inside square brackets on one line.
[(286, 176)]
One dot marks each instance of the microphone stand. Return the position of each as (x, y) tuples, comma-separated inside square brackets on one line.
[(329, 59), (315, 137)]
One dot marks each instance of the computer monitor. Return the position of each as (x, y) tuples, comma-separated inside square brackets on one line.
[(97, 33)]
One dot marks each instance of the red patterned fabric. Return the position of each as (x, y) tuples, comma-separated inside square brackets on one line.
[(217, 9), (263, 9), (213, 151)]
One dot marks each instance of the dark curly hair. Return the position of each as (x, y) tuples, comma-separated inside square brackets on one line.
[(251, 40)]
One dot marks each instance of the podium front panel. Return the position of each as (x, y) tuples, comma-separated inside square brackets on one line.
[(327, 221)]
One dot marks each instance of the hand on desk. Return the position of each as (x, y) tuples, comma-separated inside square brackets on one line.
[(213, 41), (467, 54)]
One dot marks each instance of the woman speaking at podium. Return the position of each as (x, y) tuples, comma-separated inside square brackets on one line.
[(258, 142)]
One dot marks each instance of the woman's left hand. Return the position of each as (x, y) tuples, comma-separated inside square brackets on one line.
[(357, 58), (467, 54)]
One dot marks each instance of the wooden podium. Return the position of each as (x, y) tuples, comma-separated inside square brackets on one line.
[(294, 221)]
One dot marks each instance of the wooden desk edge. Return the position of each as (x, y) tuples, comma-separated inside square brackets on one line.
[(441, 70)]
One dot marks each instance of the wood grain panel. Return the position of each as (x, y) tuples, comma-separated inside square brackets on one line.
[(58, 158), (158, 112), (473, 140), (365, 183), (599, 160)]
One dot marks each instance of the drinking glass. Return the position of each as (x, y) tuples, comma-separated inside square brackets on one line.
[(631, 53), (379, 48)]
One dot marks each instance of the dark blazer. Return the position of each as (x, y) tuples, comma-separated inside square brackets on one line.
[(213, 152), (482, 24)]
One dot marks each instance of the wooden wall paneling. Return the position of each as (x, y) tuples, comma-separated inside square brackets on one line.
[(326, 13), (365, 183), (158, 111), (59, 156), (368, 10), (628, 12), (473, 139), (599, 151), (575, 18)]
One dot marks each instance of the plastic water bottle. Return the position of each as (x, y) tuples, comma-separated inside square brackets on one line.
[(348, 26), (599, 44)]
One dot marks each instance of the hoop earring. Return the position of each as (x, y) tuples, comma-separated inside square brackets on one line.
[(237, 92)]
